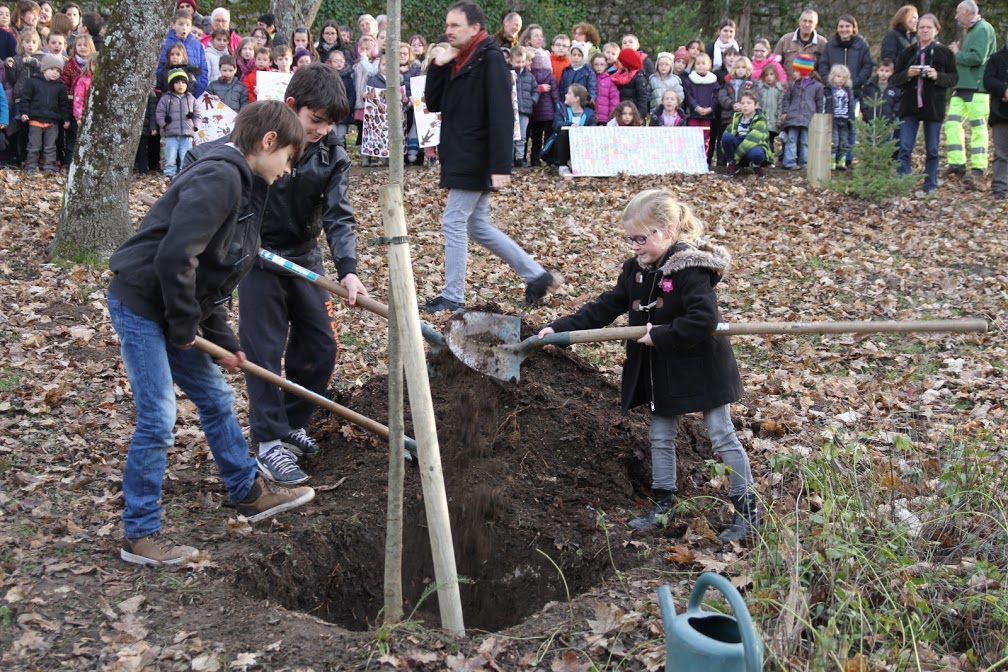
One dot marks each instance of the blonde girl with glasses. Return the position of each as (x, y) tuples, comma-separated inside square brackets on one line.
[(680, 365)]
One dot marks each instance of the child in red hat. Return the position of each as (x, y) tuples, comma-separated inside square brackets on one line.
[(630, 79)]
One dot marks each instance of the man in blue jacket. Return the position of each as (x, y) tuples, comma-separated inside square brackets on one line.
[(470, 85)]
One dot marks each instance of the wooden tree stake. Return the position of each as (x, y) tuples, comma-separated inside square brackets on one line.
[(425, 430), (820, 149)]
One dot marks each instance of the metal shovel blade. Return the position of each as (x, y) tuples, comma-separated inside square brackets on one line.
[(476, 339)]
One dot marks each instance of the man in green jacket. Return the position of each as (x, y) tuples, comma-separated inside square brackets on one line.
[(970, 102)]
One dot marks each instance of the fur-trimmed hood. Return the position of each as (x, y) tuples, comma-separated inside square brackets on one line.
[(715, 258)]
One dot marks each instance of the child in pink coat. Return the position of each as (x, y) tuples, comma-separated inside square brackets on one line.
[(608, 94), (763, 57)]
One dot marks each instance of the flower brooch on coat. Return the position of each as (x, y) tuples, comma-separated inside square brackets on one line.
[(666, 285)]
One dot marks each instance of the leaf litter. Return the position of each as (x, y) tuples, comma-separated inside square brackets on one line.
[(799, 254)]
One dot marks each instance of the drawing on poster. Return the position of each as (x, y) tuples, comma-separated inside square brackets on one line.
[(215, 119), (428, 124), (271, 85), (375, 141), (601, 151)]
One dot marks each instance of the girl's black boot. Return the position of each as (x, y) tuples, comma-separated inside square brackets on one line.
[(660, 513)]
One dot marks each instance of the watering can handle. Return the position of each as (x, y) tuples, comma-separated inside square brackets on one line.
[(752, 647)]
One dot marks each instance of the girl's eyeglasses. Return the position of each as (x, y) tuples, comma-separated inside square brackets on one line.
[(638, 240)]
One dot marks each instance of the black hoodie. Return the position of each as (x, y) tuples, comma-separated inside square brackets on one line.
[(181, 267)]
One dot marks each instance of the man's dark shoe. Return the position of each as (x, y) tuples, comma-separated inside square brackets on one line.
[(661, 512), (439, 304), (977, 172), (536, 290), (760, 172), (731, 170), (958, 171), (267, 499)]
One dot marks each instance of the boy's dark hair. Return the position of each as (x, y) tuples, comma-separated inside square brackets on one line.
[(220, 32), (227, 59), (750, 93), (319, 87), (282, 50), (887, 62), (259, 118), (473, 12), (267, 20), (179, 14), (730, 50), (265, 50), (93, 22)]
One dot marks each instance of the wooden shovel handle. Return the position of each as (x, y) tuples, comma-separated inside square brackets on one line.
[(856, 327), (367, 423), (749, 328)]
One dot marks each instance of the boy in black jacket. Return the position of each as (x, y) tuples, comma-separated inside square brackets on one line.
[(285, 322), (879, 88), (44, 106), (172, 281)]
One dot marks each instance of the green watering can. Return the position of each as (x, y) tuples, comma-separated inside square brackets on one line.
[(706, 641)]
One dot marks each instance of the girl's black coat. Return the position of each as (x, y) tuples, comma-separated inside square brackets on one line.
[(688, 369)]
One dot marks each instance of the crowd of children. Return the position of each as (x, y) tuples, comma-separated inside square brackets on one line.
[(693, 85)]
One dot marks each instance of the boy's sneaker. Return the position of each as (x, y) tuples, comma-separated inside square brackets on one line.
[(31, 169), (565, 172), (536, 290), (299, 443), (841, 165), (439, 304), (277, 464), (155, 549), (267, 499), (50, 168)]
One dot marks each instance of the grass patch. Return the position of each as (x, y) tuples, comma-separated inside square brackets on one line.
[(885, 554)]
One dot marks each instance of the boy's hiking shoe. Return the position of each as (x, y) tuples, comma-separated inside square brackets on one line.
[(267, 499), (277, 464), (536, 290), (299, 443), (155, 549)]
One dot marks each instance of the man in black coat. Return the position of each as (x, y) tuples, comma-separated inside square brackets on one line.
[(470, 85)]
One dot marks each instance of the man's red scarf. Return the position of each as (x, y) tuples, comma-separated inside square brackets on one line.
[(466, 52)]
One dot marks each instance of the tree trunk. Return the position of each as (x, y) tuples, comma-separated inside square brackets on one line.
[(291, 14), (95, 218)]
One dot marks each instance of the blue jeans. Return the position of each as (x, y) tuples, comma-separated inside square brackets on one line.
[(467, 214), (175, 148), (723, 439), (153, 365), (932, 138), (795, 146), (756, 156)]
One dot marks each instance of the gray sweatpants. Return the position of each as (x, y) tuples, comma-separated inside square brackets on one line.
[(723, 439), (467, 214), (42, 140)]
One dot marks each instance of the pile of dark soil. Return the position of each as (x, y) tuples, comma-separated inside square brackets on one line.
[(541, 477)]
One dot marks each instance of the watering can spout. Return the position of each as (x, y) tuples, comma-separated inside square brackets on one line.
[(698, 640)]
